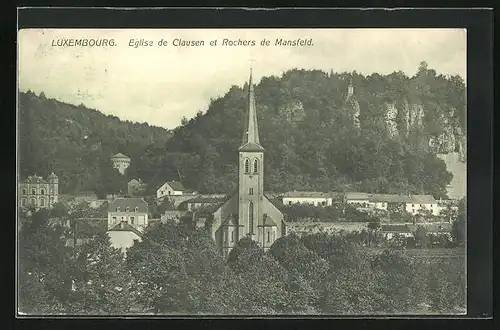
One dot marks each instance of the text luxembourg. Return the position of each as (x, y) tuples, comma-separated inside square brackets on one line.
[(83, 42)]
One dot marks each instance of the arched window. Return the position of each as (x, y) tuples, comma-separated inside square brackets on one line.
[(33, 202), (33, 191), (42, 191), (25, 191), (256, 166), (247, 165), (250, 217), (127, 209), (136, 209), (42, 202), (23, 201)]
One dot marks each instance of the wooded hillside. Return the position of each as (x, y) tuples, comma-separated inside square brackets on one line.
[(305, 125)]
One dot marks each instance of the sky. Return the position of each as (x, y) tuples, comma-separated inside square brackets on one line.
[(161, 84)]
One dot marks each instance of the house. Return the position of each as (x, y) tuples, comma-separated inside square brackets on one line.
[(37, 192), (408, 229), (357, 199), (172, 215), (308, 227), (121, 162), (135, 187), (412, 204), (402, 229), (95, 204), (201, 201), (417, 203), (172, 188), (84, 196), (123, 236), (133, 211), (307, 197)]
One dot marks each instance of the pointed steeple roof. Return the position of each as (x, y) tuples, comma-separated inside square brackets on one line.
[(250, 140)]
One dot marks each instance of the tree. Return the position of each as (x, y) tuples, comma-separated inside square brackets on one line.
[(263, 280), (421, 237), (102, 285), (373, 228), (181, 271), (306, 269), (44, 264), (110, 181), (398, 282), (459, 230)]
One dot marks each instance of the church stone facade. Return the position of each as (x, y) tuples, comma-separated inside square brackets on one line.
[(247, 212)]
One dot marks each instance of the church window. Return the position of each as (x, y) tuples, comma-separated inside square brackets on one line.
[(247, 165), (250, 217), (33, 201), (33, 191), (24, 191), (225, 235), (250, 191), (42, 191), (42, 202), (268, 236), (23, 201), (232, 236), (256, 166), (136, 209)]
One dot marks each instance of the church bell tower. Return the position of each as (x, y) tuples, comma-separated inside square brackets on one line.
[(250, 173)]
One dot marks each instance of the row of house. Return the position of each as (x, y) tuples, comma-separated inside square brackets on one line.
[(412, 204)]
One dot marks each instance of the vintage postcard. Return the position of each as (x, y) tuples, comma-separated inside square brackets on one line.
[(242, 172)]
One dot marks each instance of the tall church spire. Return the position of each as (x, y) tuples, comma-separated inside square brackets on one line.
[(251, 130)]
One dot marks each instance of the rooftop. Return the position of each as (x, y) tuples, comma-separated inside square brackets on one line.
[(120, 155), (122, 203), (34, 179), (356, 195), (176, 185), (250, 146), (309, 194), (123, 226)]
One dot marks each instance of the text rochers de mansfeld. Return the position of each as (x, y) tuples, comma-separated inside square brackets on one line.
[(178, 42)]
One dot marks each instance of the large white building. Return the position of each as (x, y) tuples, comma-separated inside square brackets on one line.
[(133, 211), (38, 193)]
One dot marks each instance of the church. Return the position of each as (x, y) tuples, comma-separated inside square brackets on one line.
[(247, 212)]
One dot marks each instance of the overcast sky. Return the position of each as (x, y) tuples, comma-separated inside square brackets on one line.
[(159, 85)]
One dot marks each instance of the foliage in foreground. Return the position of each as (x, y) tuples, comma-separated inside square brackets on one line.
[(177, 270)]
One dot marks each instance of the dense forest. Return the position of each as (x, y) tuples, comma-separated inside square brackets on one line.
[(76, 143), (311, 140), (305, 125)]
